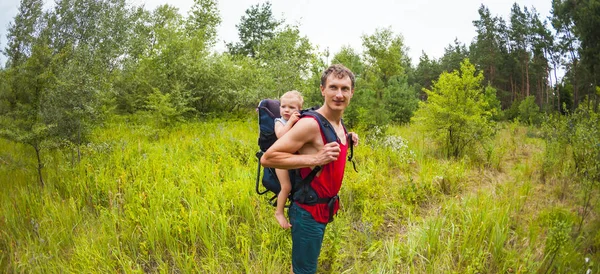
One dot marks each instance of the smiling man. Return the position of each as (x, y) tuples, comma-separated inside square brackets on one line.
[(304, 147)]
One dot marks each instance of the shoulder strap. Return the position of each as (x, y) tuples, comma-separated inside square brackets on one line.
[(329, 132), (326, 128)]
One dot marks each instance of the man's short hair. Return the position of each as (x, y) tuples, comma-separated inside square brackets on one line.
[(339, 71)]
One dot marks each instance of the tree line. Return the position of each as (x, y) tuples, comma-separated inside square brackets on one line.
[(80, 61)]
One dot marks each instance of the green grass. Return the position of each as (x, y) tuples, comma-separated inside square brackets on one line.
[(182, 199)]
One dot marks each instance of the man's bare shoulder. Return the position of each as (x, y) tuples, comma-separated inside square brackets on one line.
[(306, 127), (309, 122)]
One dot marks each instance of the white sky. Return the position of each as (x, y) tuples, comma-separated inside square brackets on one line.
[(427, 25)]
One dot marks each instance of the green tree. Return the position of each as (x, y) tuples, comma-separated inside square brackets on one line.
[(25, 97), (427, 71), (520, 36), (172, 60), (529, 111), (385, 57), (156, 61), (348, 57), (453, 56), (23, 32), (27, 81), (202, 23), (457, 113), (578, 28), (489, 51), (288, 59), (88, 38), (401, 99), (386, 64), (255, 27)]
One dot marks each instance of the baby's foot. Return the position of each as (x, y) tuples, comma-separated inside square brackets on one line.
[(283, 222)]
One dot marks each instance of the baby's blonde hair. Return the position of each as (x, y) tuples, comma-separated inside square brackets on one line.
[(294, 94)]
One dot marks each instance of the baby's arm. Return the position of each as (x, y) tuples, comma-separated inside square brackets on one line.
[(280, 129)]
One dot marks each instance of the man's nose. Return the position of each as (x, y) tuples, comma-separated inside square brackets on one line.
[(338, 93)]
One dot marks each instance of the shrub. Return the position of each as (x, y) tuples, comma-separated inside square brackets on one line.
[(458, 111), (529, 111)]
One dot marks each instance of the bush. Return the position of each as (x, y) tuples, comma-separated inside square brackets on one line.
[(529, 111), (458, 111)]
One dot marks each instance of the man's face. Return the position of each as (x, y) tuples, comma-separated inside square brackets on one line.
[(337, 92)]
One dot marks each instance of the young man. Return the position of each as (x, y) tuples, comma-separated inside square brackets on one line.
[(303, 146)]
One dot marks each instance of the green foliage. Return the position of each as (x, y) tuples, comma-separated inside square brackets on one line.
[(385, 55), (529, 111), (348, 57), (256, 26), (457, 113), (573, 159), (286, 60), (22, 33), (511, 113), (27, 91), (579, 24), (386, 95), (427, 71), (202, 22), (454, 54), (401, 100), (170, 107), (577, 136), (366, 112), (559, 223)]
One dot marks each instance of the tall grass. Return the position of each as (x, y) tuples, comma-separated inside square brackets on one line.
[(181, 199)]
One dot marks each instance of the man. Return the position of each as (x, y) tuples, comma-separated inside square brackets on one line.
[(304, 147)]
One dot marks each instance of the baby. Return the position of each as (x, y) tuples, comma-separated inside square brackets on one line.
[(291, 104)]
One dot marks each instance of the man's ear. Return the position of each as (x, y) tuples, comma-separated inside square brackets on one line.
[(322, 90)]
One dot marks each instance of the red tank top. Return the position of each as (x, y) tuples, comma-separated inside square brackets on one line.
[(327, 184)]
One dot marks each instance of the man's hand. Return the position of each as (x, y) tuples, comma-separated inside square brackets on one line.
[(328, 153), (354, 138)]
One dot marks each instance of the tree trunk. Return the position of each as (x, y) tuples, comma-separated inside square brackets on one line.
[(512, 89), (527, 75), (557, 90), (575, 88), (40, 165), (522, 90), (79, 144)]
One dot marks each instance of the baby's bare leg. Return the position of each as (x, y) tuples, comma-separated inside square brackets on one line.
[(286, 187)]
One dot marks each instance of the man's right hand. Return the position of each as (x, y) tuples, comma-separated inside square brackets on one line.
[(328, 153)]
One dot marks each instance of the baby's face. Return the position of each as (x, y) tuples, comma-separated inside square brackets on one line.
[(288, 107)]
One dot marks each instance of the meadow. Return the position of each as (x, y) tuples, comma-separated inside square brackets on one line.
[(181, 199)]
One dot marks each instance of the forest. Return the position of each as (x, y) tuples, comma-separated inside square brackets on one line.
[(127, 143)]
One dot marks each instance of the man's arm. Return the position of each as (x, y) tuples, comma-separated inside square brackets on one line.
[(282, 153)]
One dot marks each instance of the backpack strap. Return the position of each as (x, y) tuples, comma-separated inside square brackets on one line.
[(330, 134), (324, 125), (259, 155), (307, 195), (351, 155)]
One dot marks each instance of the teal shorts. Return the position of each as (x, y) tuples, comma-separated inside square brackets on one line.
[(307, 238)]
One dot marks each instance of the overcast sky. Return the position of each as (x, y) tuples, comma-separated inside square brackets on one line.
[(427, 25)]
